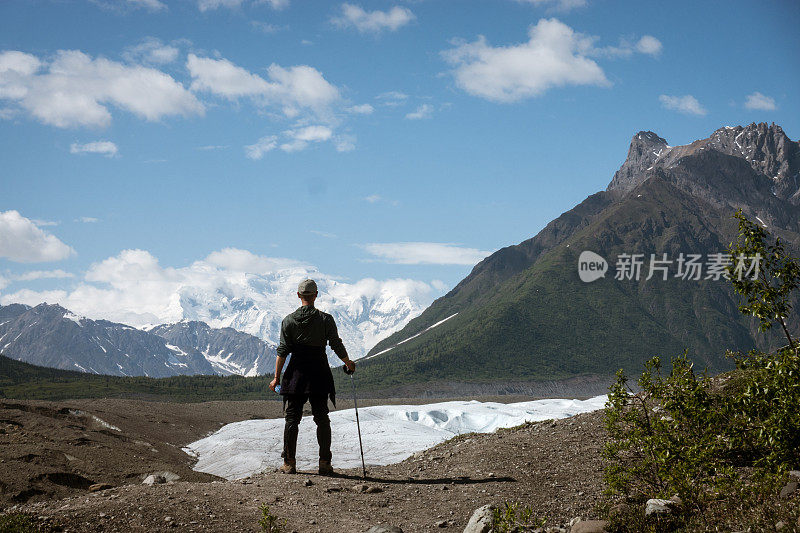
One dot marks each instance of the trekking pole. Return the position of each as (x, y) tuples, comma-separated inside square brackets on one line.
[(358, 424)]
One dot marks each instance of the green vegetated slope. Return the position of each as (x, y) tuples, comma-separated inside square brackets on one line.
[(22, 381), (543, 323)]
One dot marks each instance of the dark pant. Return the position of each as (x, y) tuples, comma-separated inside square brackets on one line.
[(294, 413)]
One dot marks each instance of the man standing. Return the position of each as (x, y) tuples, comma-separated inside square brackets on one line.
[(304, 334)]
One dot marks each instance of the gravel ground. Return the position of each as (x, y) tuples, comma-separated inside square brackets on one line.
[(50, 451)]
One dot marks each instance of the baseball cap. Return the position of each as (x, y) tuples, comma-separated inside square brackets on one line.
[(307, 287)]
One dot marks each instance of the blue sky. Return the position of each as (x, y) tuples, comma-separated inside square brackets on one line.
[(370, 139)]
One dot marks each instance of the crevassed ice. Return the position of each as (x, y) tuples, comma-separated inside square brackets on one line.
[(390, 433)]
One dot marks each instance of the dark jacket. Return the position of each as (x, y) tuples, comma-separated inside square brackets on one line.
[(304, 335)]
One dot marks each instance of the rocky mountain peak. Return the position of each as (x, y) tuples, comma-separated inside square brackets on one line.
[(765, 147), (768, 150), (646, 147)]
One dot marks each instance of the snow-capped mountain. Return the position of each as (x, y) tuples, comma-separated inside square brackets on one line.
[(229, 351), (50, 335), (365, 312)]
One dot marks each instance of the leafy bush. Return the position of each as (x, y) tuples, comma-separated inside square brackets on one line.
[(665, 440), (681, 434)]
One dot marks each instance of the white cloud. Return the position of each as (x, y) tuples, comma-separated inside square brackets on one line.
[(687, 104), (153, 51), (325, 234), (291, 89), (24, 242), (296, 140), (44, 274), (439, 285), (344, 143), (32, 298), (363, 109), (121, 5), (133, 288), (760, 102), (392, 98), (87, 220), (44, 223), (238, 260), (300, 138), (106, 148), (423, 111), (206, 5), (373, 21), (649, 45), (4, 282), (554, 56), (374, 198), (151, 5), (264, 27), (262, 146), (73, 89), (556, 5), (425, 253), (275, 4)]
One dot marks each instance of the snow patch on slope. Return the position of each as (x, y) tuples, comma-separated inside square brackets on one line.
[(414, 336)]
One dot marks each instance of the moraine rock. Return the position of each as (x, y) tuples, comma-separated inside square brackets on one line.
[(481, 520), (589, 526), (789, 489), (657, 506)]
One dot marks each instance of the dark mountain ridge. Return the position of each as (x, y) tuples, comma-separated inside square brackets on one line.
[(522, 313)]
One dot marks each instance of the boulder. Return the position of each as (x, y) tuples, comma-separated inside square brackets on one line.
[(789, 489), (656, 506), (481, 520), (97, 487), (589, 526), (154, 479), (169, 476), (619, 509)]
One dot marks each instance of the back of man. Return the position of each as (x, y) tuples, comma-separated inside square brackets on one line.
[(308, 377)]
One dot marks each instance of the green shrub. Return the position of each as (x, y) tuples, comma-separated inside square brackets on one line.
[(514, 517), (723, 450), (269, 522), (665, 439), (19, 523)]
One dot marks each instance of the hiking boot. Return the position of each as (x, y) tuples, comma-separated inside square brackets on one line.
[(288, 467), (325, 468)]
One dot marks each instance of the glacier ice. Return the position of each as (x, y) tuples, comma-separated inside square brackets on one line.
[(390, 433)]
